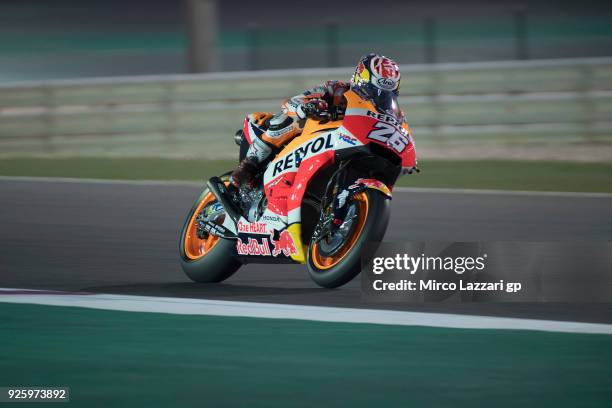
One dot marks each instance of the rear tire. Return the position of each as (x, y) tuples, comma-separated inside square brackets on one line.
[(215, 264), (340, 272)]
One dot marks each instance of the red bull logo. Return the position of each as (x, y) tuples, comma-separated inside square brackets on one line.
[(284, 244), (253, 247)]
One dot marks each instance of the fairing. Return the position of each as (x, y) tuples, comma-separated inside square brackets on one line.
[(277, 233)]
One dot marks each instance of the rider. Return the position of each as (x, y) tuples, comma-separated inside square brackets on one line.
[(376, 78)]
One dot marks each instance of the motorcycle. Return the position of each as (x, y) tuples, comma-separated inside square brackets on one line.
[(320, 201)]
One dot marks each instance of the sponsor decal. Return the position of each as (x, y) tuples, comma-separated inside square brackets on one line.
[(280, 132), (348, 139), (385, 118), (386, 83), (253, 247), (252, 227), (284, 244), (273, 218), (213, 229), (370, 183), (293, 159)]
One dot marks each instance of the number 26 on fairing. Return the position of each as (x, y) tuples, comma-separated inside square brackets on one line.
[(389, 134)]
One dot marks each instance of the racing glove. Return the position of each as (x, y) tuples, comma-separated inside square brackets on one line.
[(315, 109)]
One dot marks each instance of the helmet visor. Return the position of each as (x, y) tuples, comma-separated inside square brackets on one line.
[(384, 101)]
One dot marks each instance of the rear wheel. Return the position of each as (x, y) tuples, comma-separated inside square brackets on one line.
[(336, 259), (208, 259)]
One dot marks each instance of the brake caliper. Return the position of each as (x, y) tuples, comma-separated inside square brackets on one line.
[(208, 216)]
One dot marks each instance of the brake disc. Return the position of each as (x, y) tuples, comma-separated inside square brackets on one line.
[(333, 241)]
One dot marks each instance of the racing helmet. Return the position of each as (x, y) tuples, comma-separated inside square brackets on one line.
[(377, 78)]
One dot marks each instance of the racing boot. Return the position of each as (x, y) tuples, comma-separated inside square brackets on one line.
[(252, 164)]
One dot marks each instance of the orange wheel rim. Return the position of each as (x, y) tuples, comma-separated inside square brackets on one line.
[(327, 262), (196, 248)]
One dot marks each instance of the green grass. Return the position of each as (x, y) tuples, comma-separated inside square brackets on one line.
[(111, 358), (478, 174)]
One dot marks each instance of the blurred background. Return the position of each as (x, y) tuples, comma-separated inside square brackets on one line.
[(520, 80), (70, 38)]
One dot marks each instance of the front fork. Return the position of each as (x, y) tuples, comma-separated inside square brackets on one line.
[(338, 193)]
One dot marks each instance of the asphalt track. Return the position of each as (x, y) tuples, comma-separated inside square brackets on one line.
[(122, 238)]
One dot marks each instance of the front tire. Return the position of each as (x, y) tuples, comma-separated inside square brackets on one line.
[(341, 266), (211, 259)]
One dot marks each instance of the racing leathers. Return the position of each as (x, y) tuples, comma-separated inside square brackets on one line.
[(324, 102)]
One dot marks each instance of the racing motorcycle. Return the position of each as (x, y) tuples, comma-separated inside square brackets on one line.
[(319, 201)]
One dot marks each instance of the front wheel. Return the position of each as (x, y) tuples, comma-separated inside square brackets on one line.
[(336, 259), (209, 259)]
